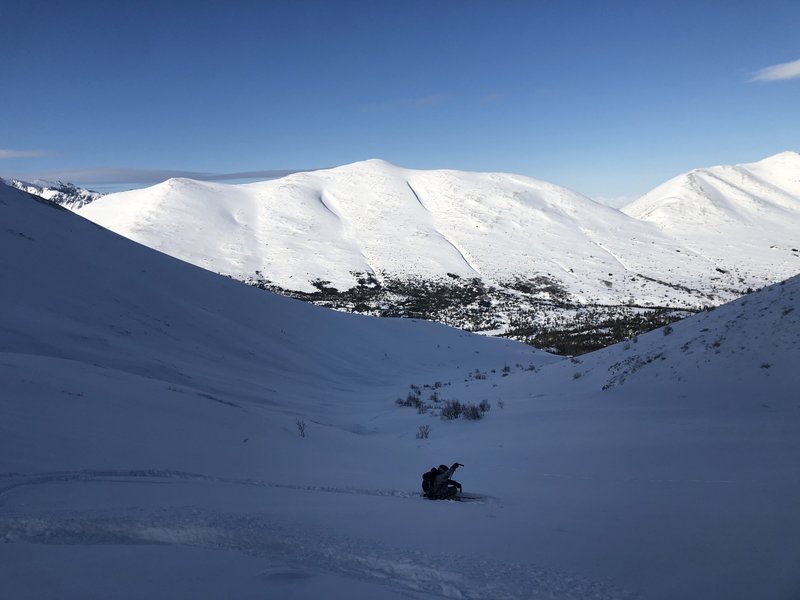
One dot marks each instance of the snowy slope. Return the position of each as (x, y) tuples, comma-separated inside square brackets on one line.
[(149, 446), (67, 195), (744, 217), (163, 320), (374, 217)]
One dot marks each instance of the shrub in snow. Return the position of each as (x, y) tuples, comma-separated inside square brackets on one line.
[(667, 329), (301, 427), (484, 406), (411, 400), (478, 374), (452, 409), (471, 412), (423, 432)]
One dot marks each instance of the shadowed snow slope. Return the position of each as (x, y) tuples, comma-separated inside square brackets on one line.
[(374, 217), (149, 443)]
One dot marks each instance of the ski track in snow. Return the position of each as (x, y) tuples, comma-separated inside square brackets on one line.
[(144, 474), (451, 576)]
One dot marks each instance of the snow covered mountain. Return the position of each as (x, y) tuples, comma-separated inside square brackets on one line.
[(150, 443), (747, 216), (373, 218), (67, 195), (485, 251)]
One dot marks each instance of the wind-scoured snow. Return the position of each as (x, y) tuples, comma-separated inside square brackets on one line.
[(376, 218), (150, 447)]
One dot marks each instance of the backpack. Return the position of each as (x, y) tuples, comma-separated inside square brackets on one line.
[(428, 478)]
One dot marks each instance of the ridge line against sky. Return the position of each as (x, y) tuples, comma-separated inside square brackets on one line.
[(116, 179), (120, 178), (609, 99)]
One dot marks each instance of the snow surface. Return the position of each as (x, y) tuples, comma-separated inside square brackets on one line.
[(149, 446), (747, 215), (374, 217), (67, 195)]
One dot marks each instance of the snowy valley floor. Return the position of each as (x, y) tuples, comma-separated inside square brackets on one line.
[(605, 495)]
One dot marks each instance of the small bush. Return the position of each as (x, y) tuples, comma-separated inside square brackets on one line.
[(412, 400), (452, 409), (501, 404), (577, 375), (472, 412), (668, 329), (423, 432), (484, 406), (301, 427)]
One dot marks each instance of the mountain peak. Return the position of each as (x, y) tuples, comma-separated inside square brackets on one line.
[(786, 158)]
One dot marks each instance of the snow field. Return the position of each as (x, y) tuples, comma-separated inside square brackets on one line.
[(148, 438)]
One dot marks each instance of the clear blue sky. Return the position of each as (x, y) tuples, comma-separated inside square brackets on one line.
[(609, 98)]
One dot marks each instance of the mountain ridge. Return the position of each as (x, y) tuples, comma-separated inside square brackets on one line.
[(493, 252), (68, 195), (438, 222)]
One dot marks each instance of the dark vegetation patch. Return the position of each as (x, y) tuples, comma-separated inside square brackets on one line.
[(536, 310)]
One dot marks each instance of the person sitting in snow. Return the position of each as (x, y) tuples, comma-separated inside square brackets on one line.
[(437, 485)]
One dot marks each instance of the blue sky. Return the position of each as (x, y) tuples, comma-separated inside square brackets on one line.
[(608, 98)]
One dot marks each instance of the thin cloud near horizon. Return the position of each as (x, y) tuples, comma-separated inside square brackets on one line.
[(779, 72), (8, 153), (127, 175)]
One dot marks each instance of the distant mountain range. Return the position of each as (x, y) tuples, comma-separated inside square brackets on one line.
[(492, 252), (67, 195)]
